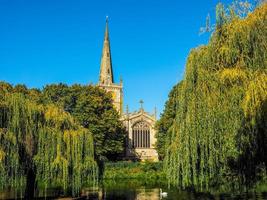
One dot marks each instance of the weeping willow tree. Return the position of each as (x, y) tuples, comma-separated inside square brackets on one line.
[(219, 132), (43, 145)]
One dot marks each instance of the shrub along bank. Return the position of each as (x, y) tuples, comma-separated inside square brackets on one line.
[(145, 171)]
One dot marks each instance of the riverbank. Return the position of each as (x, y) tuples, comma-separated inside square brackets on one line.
[(145, 171)]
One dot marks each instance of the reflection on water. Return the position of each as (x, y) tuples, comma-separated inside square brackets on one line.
[(131, 190), (154, 194), (130, 194)]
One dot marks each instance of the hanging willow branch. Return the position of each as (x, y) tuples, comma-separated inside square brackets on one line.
[(219, 132), (47, 140)]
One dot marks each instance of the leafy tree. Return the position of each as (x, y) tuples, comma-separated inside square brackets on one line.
[(236, 10), (219, 132), (41, 144), (5, 88), (93, 109), (32, 94), (20, 88), (165, 122)]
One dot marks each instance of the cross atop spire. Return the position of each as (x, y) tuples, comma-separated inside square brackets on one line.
[(106, 72)]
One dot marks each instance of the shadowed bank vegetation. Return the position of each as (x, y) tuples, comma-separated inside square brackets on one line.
[(146, 172), (219, 132)]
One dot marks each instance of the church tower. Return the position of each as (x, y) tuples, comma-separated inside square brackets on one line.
[(106, 79), (140, 125)]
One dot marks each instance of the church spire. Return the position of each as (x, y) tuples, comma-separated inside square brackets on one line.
[(106, 73)]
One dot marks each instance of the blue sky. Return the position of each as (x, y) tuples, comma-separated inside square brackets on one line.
[(52, 41)]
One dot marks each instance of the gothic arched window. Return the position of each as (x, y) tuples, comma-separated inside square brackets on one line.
[(141, 135)]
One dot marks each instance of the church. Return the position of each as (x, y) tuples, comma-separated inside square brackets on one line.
[(141, 139)]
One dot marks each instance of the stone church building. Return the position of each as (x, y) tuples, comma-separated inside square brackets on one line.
[(140, 124)]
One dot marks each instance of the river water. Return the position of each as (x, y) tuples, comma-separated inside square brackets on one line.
[(133, 190)]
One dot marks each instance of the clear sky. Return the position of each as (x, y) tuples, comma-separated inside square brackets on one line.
[(53, 41)]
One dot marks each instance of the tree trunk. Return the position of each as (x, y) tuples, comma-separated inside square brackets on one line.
[(30, 184)]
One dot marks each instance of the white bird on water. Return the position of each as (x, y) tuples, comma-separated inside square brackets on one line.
[(162, 194)]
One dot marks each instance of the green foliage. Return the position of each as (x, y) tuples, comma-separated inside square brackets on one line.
[(219, 134), (165, 122), (147, 171), (42, 143), (31, 94), (220, 16), (92, 107), (237, 9), (57, 148)]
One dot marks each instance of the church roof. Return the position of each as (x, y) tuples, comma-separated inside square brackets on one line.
[(106, 72), (139, 114)]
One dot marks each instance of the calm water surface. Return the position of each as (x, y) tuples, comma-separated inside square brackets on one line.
[(132, 190)]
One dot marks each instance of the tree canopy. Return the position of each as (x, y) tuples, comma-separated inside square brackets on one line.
[(42, 144), (219, 132), (53, 136), (166, 121), (92, 107)]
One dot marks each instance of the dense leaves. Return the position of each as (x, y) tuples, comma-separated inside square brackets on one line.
[(149, 172), (93, 109), (51, 137), (42, 144), (219, 133), (165, 122)]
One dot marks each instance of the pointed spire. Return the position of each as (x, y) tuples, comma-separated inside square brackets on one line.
[(106, 73), (106, 31)]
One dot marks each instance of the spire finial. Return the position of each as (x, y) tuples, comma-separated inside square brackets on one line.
[(127, 109), (107, 18), (141, 104)]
